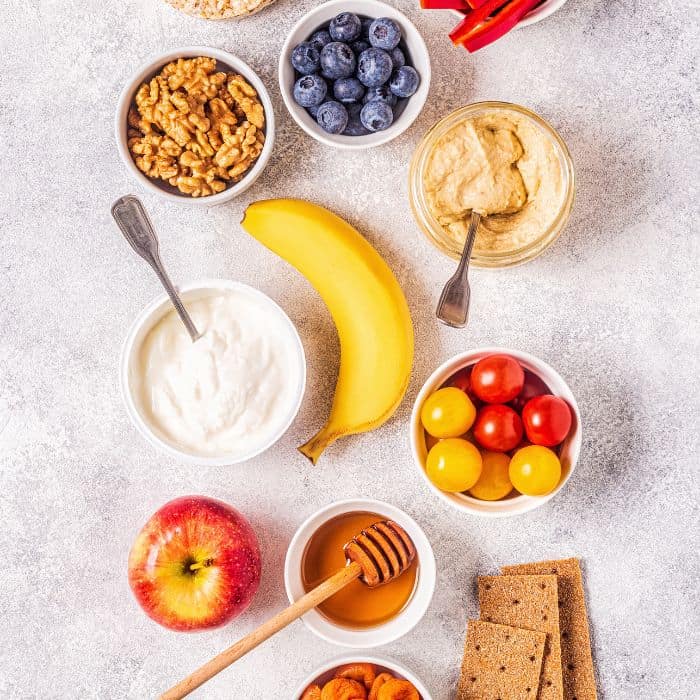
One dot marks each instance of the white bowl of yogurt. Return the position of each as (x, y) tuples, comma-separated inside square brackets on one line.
[(229, 396)]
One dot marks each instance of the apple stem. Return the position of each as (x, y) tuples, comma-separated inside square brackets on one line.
[(201, 564)]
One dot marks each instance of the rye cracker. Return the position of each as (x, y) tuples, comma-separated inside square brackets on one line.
[(500, 662), (529, 602), (577, 662)]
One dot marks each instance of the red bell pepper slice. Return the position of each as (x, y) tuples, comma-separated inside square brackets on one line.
[(473, 19), (446, 4), (490, 22), (475, 4)]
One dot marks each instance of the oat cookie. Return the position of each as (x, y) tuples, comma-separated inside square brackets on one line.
[(219, 9)]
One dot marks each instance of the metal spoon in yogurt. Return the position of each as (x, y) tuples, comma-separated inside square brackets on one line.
[(135, 224), (453, 307)]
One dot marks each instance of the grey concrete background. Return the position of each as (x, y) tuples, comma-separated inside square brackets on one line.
[(613, 305)]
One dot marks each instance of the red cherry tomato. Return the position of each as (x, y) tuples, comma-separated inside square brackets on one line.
[(547, 420), (463, 380), (497, 379), (498, 428), (534, 386)]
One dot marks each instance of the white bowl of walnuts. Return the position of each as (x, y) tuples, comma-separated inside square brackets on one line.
[(195, 125)]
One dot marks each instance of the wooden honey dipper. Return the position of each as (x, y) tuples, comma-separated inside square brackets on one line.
[(377, 555)]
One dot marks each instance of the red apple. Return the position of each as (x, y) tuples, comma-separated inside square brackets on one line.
[(195, 564)]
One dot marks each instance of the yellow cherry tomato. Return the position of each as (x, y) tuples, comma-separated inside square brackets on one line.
[(453, 465), (448, 413), (494, 482), (535, 470)]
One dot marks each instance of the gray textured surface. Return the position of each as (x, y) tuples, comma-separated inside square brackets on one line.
[(612, 305)]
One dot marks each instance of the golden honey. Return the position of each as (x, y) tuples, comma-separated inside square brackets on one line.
[(356, 605)]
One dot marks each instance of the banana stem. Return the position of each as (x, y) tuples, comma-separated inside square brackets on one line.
[(318, 443)]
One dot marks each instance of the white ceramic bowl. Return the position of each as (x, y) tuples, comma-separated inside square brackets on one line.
[(148, 318), (324, 673), (388, 631), (568, 454), (539, 13), (417, 54), (146, 72)]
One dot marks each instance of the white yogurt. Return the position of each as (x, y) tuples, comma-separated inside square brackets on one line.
[(229, 392)]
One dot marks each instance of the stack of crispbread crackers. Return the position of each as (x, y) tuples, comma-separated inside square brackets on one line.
[(532, 640)]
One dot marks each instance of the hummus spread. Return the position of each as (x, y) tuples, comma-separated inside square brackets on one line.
[(503, 166)]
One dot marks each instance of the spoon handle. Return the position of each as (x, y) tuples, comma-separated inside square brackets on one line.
[(453, 306), (135, 224), (464, 261)]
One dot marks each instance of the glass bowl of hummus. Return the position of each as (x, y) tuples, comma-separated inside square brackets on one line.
[(503, 161)]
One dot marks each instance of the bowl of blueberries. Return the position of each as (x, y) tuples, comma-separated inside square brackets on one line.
[(354, 73)]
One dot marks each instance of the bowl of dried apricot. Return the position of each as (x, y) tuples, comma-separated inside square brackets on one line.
[(364, 678), (195, 125)]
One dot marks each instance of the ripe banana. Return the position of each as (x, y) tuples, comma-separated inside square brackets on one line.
[(366, 303)]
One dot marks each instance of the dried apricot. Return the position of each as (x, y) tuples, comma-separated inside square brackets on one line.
[(362, 673), (379, 681), (313, 692), (396, 689), (343, 689)]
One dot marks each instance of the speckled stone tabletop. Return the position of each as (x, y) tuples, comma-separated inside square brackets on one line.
[(613, 306)]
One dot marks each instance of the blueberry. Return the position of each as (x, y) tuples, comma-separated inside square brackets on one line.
[(348, 90), (384, 33), (377, 115), (359, 45), (397, 58), (332, 117), (366, 24), (381, 93), (345, 27), (404, 81), (306, 58), (320, 38), (337, 61), (313, 110), (310, 90), (355, 126), (374, 67)]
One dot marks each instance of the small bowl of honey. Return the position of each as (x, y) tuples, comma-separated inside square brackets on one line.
[(358, 616)]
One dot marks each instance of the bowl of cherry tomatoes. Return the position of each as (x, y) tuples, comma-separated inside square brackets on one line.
[(495, 432)]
